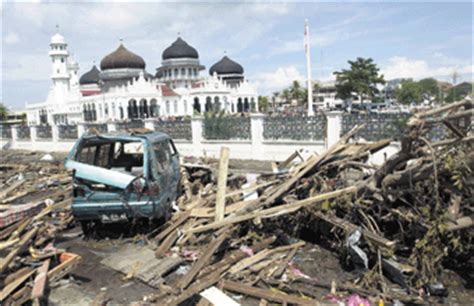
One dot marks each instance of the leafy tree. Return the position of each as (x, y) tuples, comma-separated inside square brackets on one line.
[(409, 92), (429, 88), (297, 92), (262, 103), (3, 111), (460, 91), (286, 94), (361, 79)]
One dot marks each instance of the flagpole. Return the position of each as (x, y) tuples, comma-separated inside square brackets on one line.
[(308, 68)]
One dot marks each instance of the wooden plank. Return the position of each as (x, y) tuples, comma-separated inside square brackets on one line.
[(203, 260), (275, 211), (266, 294), (246, 262), (14, 285), (313, 163), (183, 217), (166, 244), (25, 240), (10, 188), (349, 227), (40, 281), (222, 183)]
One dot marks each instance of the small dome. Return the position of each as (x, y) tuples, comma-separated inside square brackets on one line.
[(180, 49), (226, 66), (90, 77), (122, 58), (58, 39)]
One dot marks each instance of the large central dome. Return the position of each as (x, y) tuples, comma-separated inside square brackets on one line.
[(122, 58), (226, 66), (179, 49)]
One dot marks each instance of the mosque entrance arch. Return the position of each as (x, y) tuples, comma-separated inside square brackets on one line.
[(240, 107), (197, 105)]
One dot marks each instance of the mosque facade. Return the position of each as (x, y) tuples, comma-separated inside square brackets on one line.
[(122, 89)]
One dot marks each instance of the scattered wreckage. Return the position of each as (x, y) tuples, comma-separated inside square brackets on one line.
[(119, 177), (395, 226)]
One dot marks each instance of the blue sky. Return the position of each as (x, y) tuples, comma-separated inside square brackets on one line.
[(424, 39)]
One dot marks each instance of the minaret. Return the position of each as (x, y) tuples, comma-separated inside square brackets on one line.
[(60, 74), (73, 68)]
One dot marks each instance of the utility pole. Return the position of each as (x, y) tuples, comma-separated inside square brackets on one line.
[(308, 68), (455, 76)]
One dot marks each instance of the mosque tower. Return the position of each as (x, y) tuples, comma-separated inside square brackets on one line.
[(60, 74)]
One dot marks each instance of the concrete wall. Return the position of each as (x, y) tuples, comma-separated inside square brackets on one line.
[(255, 148)]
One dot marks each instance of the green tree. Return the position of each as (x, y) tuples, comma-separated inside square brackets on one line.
[(297, 92), (286, 94), (3, 111), (361, 79), (460, 91), (409, 92), (430, 88), (262, 103)]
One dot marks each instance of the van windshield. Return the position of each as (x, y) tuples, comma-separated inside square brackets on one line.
[(116, 155)]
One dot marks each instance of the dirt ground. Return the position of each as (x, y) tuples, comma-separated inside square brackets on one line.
[(92, 278)]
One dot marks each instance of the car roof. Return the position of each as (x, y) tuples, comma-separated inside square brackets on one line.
[(151, 137)]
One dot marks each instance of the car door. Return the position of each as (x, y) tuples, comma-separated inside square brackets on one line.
[(162, 160)]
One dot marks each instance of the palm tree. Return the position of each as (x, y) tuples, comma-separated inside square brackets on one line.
[(3, 111), (286, 94), (296, 91)]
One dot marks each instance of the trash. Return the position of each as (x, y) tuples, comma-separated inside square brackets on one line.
[(47, 157)]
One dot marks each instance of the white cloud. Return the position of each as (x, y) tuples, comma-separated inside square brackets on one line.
[(11, 38), (402, 67), (279, 79)]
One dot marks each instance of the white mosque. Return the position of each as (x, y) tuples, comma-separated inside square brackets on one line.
[(123, 90)]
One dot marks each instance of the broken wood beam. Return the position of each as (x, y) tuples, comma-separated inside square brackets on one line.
[(222, 183), (40, 282), (202, 261), (266, 294), (275, 211)]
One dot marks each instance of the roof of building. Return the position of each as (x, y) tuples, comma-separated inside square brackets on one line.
[(90, 77), (180, 49), (226, 66), (122, 58), (168, 92), (58, 39)]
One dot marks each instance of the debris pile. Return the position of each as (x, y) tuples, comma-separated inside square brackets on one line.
[(394, 225), (34, 207)]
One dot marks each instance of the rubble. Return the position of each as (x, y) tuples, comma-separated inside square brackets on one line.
[(35, 206), (394, 227)]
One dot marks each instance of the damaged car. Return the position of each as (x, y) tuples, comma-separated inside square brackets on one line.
[(123, 177)]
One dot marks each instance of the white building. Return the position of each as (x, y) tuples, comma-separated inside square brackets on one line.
[(122, 89)]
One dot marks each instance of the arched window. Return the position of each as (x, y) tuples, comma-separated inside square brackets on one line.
[(240, 106), (246, 105), (135, 109), (176, 72), (153, 108), (208, 107), (183, 72), (168, 107), (217, 104), (94, 113), (84, 112), (143, 109), (175, 107), (232, 107), (185, 107), (121, 112), (197, 105)]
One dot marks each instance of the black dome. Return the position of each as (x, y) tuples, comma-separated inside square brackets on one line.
[(90, 77), (180, 49), (226, 66), (122, 58)]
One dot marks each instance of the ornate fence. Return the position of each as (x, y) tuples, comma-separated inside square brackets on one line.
[(23, 132), (125, 125), (44, 132), (67, 132), (226, 128), (177, 129), (100, 127), (295, 128), (378, 125), (5, 132)]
